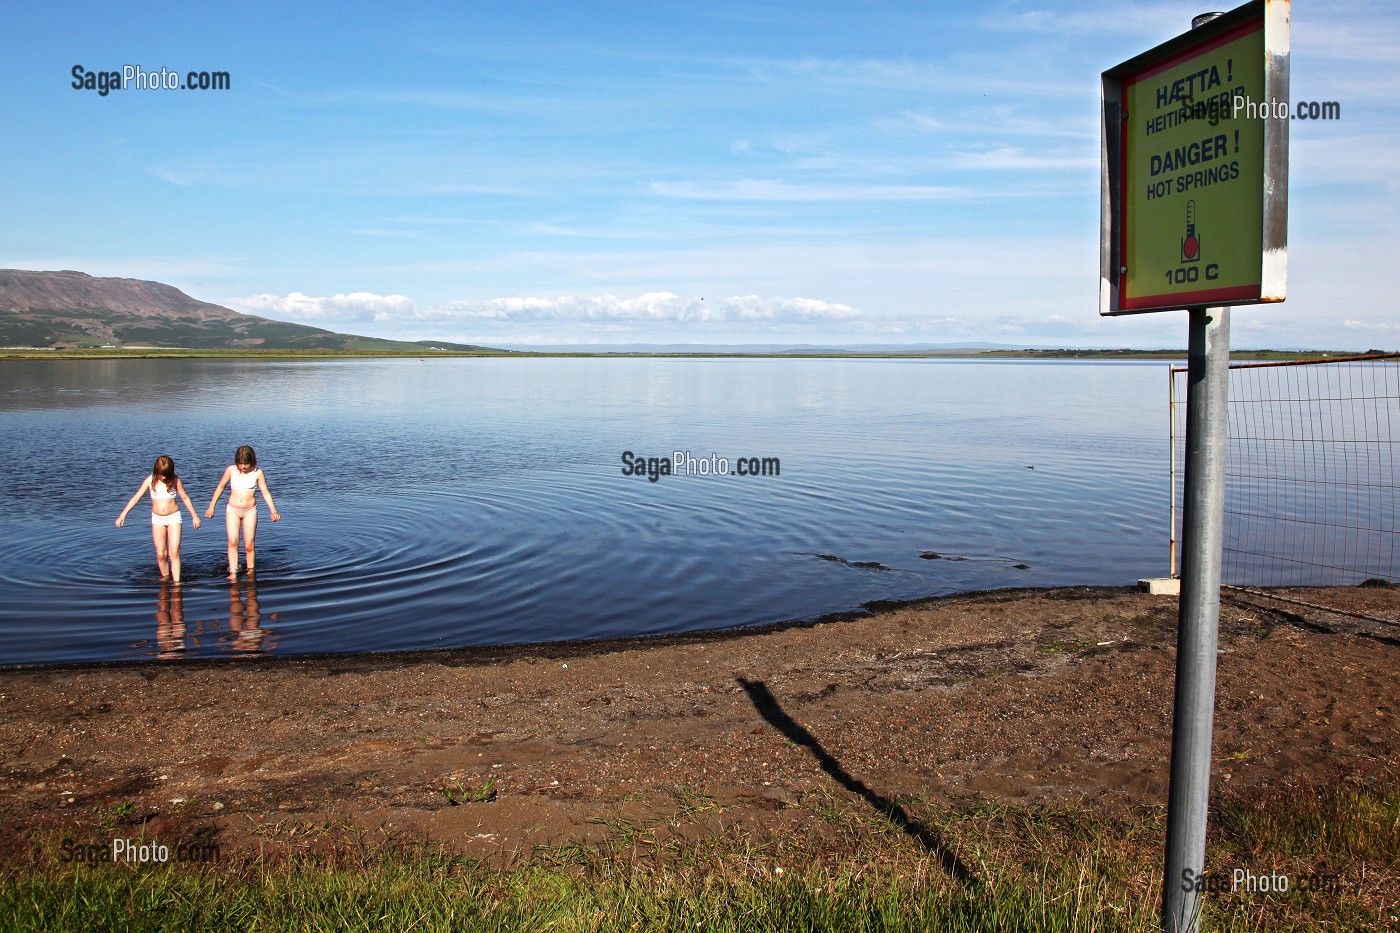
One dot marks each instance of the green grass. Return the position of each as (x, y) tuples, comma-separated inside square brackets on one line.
[(402, 894), (1068, 868), (458, 793)]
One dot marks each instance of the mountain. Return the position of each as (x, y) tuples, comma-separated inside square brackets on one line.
[(65, 309)]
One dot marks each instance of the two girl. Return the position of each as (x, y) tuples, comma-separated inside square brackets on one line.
[(242, 513)]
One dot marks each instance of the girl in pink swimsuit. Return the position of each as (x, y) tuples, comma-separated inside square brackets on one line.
[(164, 486), (243, 478)]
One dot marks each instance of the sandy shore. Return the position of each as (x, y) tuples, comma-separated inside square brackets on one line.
[(1035, 696)]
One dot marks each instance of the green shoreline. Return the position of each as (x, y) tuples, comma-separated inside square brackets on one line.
[(127, 353)]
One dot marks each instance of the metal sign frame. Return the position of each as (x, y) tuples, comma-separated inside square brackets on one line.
[(1121, 210)]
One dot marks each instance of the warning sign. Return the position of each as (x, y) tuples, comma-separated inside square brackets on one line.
[(1193, 153)]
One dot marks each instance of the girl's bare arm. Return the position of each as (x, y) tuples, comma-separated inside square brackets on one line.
[(218, 491), (180, 488), (145, 484), (262, 484)]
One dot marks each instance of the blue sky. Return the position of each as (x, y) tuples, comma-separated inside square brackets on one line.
[(713, 172)]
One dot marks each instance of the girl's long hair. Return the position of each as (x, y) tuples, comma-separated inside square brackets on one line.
[(244, 457), (164, 471)]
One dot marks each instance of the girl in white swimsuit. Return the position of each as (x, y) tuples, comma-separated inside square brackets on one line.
[(243, 479), (164, 486)]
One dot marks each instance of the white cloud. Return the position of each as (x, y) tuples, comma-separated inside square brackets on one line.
[(991, 121), (431, 221), (173, 177), (1105, 21), (1323, 153), (751, 189), (907, 75), (755, 308), (389, 234), (1366, 37), (546, 228), (1016, 158), (305, 309), (469, 188), (650, 308)]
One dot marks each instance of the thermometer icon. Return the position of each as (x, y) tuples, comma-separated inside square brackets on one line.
[(1190, 244)]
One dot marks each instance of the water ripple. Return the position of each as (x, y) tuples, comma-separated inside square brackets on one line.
[(487, 505)]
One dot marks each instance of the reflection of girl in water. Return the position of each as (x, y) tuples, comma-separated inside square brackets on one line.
[(242, 478), (170, 622), (244, 614), (164, 486)]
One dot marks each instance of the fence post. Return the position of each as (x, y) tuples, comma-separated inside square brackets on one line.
[(1171, 471)]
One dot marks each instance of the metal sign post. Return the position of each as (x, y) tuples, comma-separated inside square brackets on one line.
[(1202, 524), (1195, 216)]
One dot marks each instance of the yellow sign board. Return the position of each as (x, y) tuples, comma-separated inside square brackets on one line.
[(1194, 148)]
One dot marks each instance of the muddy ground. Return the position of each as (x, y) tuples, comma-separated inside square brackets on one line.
[(1034, 696)]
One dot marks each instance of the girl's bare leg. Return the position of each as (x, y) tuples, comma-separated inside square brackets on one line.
[(172, 538), (231, 523), (162, 554), (250, 528)]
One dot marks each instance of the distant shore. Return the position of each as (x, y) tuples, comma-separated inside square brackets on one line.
[(126, 353)]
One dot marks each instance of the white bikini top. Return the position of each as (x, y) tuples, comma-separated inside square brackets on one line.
[(243, 480), (161, 491)]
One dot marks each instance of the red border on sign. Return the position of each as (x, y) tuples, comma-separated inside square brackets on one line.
[(1178, 300), (1243, 29), (1175, 299)]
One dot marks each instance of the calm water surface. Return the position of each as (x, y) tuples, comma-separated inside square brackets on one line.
[(440, 503)]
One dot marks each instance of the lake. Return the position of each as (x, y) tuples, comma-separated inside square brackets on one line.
[(454, 502)]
